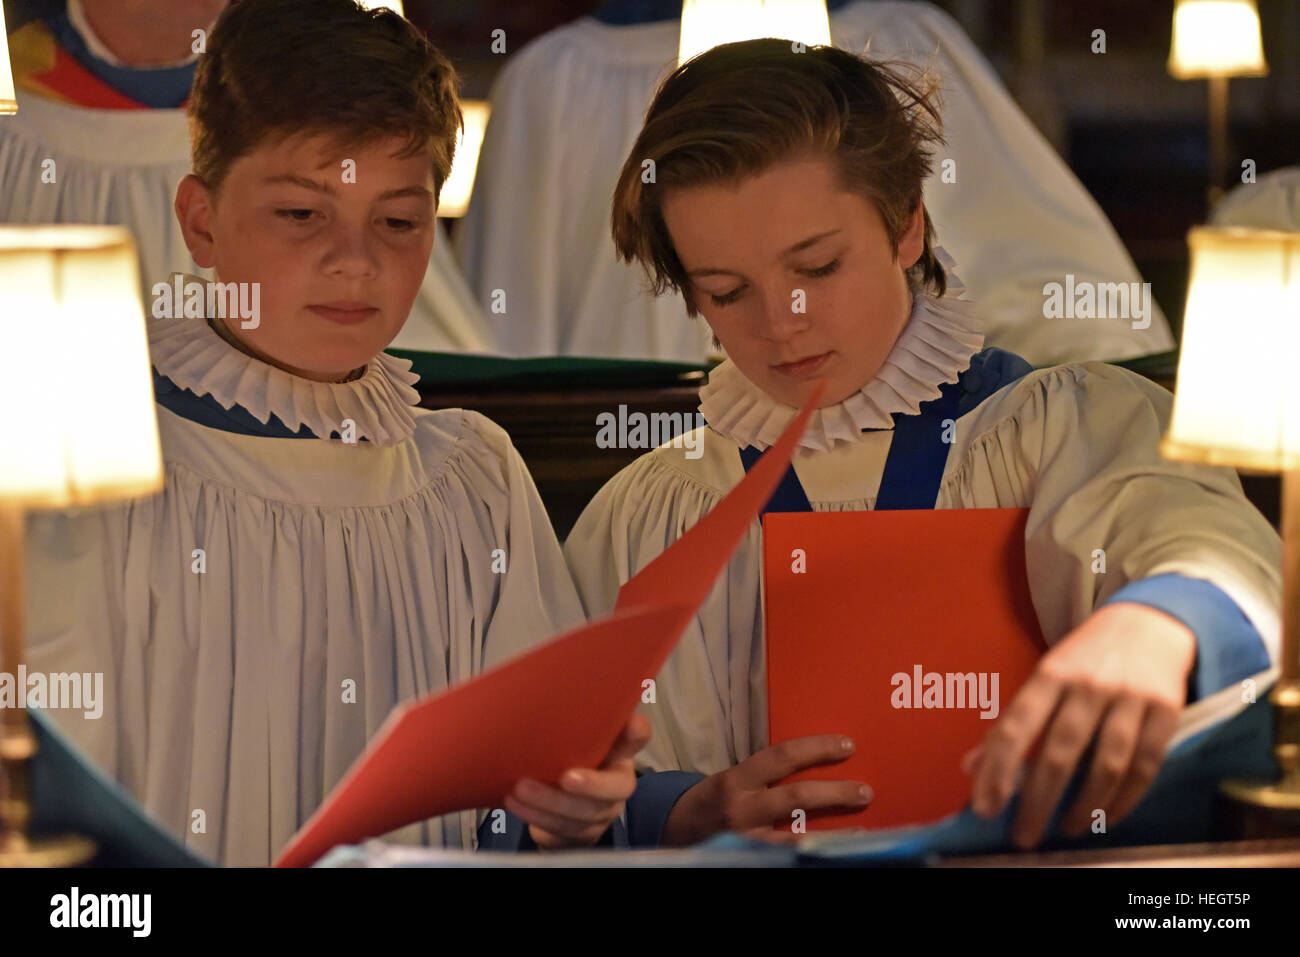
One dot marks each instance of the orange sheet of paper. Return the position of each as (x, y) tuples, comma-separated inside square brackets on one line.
[(559, 706), (885, 597)]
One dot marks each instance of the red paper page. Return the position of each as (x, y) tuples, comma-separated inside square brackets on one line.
[(883, 594), (690, 566), (560, 706), (557, 707)]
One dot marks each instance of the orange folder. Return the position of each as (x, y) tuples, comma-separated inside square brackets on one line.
[(559, 706), (909, 631)]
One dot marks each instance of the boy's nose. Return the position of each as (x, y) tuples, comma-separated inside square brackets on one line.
[(780, 319), (351, 254)]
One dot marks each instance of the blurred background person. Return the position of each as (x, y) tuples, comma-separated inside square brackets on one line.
[(566, 108)]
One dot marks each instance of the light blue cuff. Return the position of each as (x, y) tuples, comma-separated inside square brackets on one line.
[(657, 792), (1229, 648)]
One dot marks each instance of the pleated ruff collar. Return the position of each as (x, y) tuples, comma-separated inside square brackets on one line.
[(935, 345), (191, 354)]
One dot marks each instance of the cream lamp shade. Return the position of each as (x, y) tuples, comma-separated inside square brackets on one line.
[(710, 23), (1236, 401), (394, 5), (8, 100), (76, 394), (1216, 38), (454, 200)]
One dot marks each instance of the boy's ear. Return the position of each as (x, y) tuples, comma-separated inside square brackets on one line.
[(194, 210), (912, 243)]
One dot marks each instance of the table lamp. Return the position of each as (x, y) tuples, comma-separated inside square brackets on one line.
[(709, 23), (8, 100), (72, 323), (1217, 39), (1236, 404)]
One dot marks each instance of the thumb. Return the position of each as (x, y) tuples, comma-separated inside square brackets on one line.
[(635, 736)]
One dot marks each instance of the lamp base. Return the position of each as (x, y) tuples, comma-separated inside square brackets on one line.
[(1252, 810), (63, 850)]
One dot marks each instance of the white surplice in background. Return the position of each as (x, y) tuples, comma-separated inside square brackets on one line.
[(567, 108)]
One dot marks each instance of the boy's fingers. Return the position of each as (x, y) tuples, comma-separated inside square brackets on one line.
[(635, 736), (572, 807), (552, 823), (1116, 744), (612, 785), (781, 760), (1005, 746), (778, 804), (771, 835), (1067, 738), (1159, 726)]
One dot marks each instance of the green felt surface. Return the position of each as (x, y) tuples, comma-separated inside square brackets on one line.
[(450, 370)]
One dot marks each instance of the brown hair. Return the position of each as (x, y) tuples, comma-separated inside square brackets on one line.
[(274, 68), (736, 109)]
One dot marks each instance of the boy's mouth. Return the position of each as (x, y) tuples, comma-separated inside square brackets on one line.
[(344, 313), (802, 367)]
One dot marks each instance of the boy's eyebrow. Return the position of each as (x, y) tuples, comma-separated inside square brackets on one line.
[(805, 243), (417, 191), (302, 181), (801, 245), (295, 180)]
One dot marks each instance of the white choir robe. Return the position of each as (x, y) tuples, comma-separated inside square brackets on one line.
[(567, 108), (1076, 444), (335, 581), (121, 167)]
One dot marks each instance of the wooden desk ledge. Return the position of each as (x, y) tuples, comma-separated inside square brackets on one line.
[(1283, 852)]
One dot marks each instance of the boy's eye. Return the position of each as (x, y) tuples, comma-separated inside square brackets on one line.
[(826, 270), (296, 215), (401, 225), (727, 298)]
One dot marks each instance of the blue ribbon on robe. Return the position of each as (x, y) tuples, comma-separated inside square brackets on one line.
[(917, 455)]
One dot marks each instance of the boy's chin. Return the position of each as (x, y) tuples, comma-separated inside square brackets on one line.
[(336, 359), (335, 369), (327, 366), (796, 393)]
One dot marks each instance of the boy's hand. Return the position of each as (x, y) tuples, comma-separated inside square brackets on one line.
[(1120, 677), (588, 802), (743, 798)]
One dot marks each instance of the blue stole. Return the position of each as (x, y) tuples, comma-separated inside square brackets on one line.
[(914, 467)]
